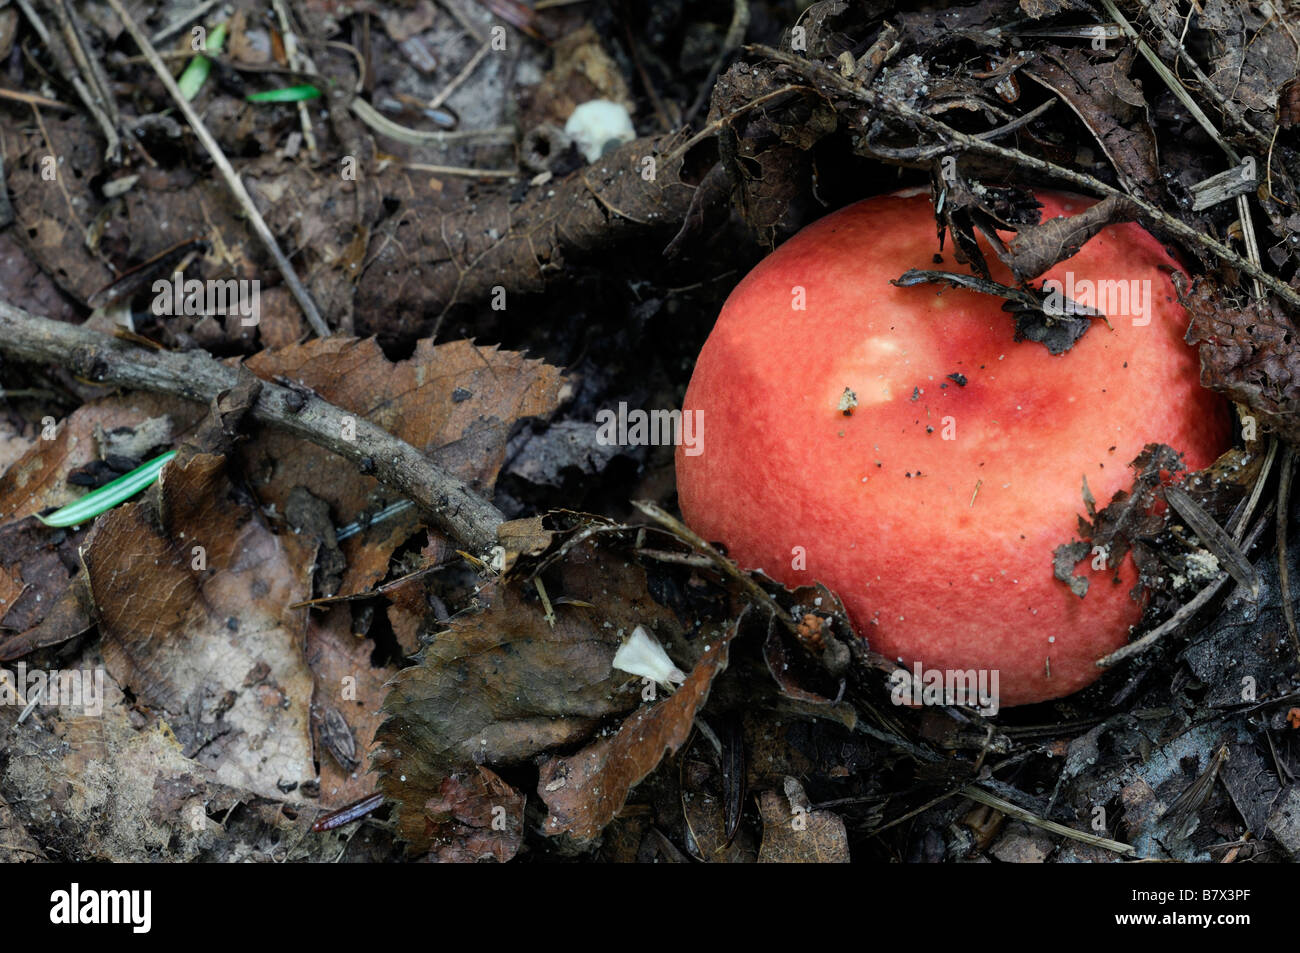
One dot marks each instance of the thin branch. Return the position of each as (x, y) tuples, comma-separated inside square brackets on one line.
[(458, 80), (227, 171), (299, 61), (419, 137), (193, 375), (462, 171), (1019, 813)]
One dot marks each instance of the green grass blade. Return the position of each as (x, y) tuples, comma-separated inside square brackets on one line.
[(108, 495), (196, 73)]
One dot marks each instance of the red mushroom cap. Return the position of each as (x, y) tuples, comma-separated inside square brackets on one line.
[(933, 506)]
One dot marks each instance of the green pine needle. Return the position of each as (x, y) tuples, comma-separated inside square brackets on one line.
[(108, 495), (291, 94)]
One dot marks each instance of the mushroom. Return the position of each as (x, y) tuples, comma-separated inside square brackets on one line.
[(933, 500)]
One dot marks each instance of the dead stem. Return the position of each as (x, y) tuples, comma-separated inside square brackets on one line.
[(1019, 813)]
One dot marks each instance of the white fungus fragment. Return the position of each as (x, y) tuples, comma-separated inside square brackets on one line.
[(599, 125), (642, 655)]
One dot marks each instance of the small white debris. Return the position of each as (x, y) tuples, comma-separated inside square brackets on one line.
[(642, 655), (598, 125)]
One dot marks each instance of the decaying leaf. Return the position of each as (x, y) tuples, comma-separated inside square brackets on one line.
[(1111, 106), (585, 791), (793, 833), (192, 603), (1036, 248), (1128, 522), (347, 694), (766, 159), (501, 685), (1248, 353), (457, 402), (474, 816)]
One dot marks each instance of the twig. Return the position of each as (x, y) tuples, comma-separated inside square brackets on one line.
[(193, 375), (1019, 813), (465, 73), (726, 566), (32, 99), (92, 70), (418, 137), (1237, 526), (461, 170), (461, 17), (228, 172), (1019, 121), (876, 831), (963, 142), (976, 792)]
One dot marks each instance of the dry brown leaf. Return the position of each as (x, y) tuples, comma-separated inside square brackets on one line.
[(475, 816), (347, 685), (457, 402), (523, 537), (1112, 109), (584, 792), (215, 648), (1248, 353), (793, 834), (10, 590)]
